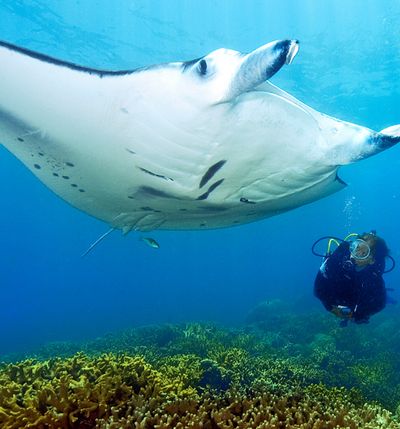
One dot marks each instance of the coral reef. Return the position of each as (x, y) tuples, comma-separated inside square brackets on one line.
[(76, 391), (121, 392), (282, 370)]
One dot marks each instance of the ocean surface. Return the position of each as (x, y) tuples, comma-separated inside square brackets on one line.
[(348, 66)]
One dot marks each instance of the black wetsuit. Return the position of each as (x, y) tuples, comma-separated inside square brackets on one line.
[(339, 283)]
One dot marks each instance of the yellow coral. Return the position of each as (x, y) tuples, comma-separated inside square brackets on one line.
[(57, 393), (124, 392)]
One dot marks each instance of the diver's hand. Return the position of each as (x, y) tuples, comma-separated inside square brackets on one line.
[(342, 311)]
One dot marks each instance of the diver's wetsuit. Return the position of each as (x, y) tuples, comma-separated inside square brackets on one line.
[(339, 283)]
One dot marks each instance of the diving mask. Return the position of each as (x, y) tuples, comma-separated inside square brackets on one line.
[(359, 249)]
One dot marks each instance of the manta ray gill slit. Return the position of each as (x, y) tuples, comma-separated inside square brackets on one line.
[(211, 172), (210, 189)]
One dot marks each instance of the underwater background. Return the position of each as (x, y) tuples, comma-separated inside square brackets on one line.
[(54, 302)]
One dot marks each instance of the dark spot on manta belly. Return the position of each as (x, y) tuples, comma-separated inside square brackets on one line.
[(40, 153), (65, 177), (210, 189), (20, 139), (210, 172), (55, 174), (74, 185), (37, 166), (245, 200), (82, 190), (130, 151), (70, 164)]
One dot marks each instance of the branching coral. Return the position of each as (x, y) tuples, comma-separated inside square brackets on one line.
[(122, 391), (316, 408), (62, 393), (201, 376)]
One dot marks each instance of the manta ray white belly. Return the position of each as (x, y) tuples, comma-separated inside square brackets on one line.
[(161, 148)]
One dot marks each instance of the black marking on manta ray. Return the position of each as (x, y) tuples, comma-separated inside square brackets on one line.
[(155, 192), (210, 189), (188, 64), (74, 185), (70, 164), (37, 166), (283, 46), (149, 209), (211, 172), (383, 141), (73, 66), (56, 175), (51, 60), (155, 174), (16, 123), (245, 200), (130, 151), (65, 177)]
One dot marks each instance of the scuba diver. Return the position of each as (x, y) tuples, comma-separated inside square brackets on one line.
[(349, 282)]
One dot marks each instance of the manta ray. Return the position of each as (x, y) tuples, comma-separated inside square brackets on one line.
[(198, 144)]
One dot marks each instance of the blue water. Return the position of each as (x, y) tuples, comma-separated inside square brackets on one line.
[(348, 66)]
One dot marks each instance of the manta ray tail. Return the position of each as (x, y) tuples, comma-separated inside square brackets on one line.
[(101, 238)]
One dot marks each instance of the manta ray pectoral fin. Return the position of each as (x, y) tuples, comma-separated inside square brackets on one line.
[(261, 64), (348, 143), (383, 140), (393, 131)]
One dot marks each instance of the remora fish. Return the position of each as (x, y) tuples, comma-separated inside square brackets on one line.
[(151, 242), (206, 143)]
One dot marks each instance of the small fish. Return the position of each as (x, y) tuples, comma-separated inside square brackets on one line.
[(151, 242)]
